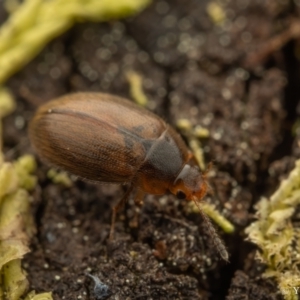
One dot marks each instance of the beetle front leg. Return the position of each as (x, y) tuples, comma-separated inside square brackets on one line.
[(116, 208)]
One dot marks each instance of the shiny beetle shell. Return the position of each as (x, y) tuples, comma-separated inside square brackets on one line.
[(106, 138)]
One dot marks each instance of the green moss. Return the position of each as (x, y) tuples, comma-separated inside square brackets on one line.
[(24, 166), (211, 211), (16, 228), (35, 22), (59, 177), (216, 12), (194, 135), (136, 88), (42, 296), (15, 283), (276, 236), (219, 219), (7, 103)]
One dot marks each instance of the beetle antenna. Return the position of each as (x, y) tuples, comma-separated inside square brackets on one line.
[(208, 188), (217, 241)]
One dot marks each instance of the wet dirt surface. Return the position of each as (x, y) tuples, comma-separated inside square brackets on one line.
[(213, 75)]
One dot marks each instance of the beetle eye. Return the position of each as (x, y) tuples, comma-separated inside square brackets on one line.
[(181, 195)]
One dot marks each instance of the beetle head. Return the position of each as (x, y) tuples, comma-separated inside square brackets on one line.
[(190, 183)]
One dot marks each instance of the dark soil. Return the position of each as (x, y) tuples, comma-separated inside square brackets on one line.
[(215, 76)]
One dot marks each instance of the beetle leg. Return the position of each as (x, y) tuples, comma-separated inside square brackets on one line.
[(139, 197), (138, 200), (116, 208)]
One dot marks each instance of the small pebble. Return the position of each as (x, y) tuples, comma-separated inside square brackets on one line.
[(101, 290)]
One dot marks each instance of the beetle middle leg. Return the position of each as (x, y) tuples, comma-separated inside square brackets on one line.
[(116, 208), (138, 200)]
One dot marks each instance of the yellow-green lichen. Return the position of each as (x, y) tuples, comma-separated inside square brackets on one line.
[(7, 103), (276, 236), (196, 147), (14, 282), (136, 88), (185, 125), (24, 166), (16, 226), (42, 296), (193, 135), (35, 22), (200, 132), (218, 218), (60, 177), (211, 211), (216, 12)]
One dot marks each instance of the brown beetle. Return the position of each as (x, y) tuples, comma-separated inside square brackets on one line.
[(105, 138)]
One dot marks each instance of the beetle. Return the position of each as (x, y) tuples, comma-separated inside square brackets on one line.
[(105, 138)]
